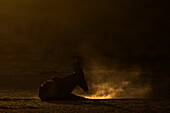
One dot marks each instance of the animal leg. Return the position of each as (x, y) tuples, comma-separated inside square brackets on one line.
[(75, 97)]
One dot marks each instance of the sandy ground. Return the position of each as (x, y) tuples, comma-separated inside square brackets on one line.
[(88, 106), (27, 101)]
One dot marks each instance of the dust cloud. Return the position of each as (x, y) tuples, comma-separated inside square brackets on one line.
[(114, 82)]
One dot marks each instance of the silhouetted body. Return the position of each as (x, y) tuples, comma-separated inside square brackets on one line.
[(61, 88)]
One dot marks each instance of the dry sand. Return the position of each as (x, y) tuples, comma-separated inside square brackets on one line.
[(89, 106)]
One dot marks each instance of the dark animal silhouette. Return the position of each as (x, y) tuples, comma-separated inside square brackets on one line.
[(61, 88)]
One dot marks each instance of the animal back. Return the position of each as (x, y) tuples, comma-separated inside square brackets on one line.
[(44, 88)]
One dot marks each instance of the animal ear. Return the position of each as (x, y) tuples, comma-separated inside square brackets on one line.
[(77, 68)]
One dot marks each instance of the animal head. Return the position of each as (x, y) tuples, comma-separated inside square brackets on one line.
[(80, 74)]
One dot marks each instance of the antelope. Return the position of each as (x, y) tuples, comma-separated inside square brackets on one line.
[(61, 88)]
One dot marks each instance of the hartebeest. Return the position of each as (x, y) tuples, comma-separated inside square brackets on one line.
[(61, 88)]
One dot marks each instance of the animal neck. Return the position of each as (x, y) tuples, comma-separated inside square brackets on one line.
[(72, 81)]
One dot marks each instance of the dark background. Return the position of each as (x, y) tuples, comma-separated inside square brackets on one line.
[(38, 36)]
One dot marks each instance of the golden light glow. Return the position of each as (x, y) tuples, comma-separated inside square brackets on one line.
[(98, 97), (103, 91)]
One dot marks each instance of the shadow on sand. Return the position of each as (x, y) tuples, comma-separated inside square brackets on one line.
[(92, 102)]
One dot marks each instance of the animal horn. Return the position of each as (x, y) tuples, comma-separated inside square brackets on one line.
[(79, 59)]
